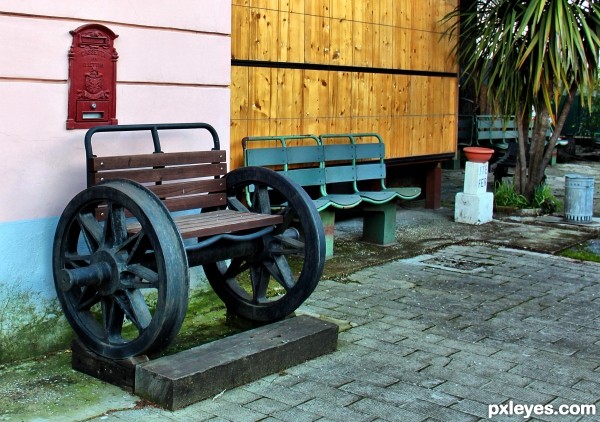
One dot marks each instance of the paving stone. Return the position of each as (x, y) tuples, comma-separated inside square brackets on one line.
[(589, 386), (519, 394), (334, 412), (471, 407), (266, 406), (472, 347), (421, 407), (283, 394), (385, 411), (471, 393), (564, 393), (326, 393), (294, 414), (239, 396), (228, 410)]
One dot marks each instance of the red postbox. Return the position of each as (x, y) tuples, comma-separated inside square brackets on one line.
[(92, 77)]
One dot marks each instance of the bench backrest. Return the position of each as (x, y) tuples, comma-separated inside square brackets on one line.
[(182, 180), (302, 162), (353, 160), (502, 128)]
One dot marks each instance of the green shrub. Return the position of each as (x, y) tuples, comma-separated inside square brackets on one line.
[(545, 200), (506, 196)]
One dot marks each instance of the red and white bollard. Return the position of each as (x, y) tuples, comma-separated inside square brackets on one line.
[(475, 205)]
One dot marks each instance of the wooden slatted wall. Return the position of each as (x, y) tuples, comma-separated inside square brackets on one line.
[(336, 66)]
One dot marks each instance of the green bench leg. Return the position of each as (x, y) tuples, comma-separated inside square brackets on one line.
[(328, 219), (379, 225)]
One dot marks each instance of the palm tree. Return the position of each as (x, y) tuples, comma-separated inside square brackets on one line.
[(529, 54)]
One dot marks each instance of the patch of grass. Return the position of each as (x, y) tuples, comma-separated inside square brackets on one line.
[(581, 253)]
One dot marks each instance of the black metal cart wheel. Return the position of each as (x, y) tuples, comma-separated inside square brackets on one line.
[(272, 282), (120, 270)]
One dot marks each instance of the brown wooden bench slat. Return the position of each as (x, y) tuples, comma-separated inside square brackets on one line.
[(163, 174), (195, 201), (152, 160), (218, 222), (170, 190)]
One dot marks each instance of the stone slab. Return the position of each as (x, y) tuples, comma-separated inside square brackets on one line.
[(474, 209), (179, 380)]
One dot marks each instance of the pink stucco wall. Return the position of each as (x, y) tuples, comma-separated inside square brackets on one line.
[(174, 66)]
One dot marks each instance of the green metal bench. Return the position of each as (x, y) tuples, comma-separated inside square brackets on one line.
[(496, 131), (335, 166)]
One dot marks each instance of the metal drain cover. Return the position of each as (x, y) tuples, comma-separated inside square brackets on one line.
[(455, 264)]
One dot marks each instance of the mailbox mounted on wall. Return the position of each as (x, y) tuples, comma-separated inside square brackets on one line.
[(92, 77)]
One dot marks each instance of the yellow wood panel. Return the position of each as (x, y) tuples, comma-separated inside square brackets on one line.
[(386, 12), (239, 92), (265, 4), (383, 52), (295, 6), (341, 41), (362, 102), (316, 39), (289, 104), (341, 9), (316, 101), (240, 37), (291, 37), (238, 129), (363, 10), (402, 13), (362, 39), (383, 92), (317, 7), (264, 34), (260, 102), (340, 85), (401, 48)]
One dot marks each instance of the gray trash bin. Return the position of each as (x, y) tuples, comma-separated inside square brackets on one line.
[(579, 198)]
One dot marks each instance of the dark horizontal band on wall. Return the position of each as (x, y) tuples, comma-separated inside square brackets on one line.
[(340, 68)]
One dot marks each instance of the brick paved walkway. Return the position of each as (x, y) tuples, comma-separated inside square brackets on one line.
[(437, 337)]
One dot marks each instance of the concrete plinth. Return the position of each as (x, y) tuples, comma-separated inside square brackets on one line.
[(474, 209)]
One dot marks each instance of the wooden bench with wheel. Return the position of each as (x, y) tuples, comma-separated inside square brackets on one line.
[(124, 245)]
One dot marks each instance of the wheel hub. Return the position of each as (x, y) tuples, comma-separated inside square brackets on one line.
[(111, 260)]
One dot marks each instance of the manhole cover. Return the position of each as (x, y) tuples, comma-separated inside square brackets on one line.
[(455, 264)]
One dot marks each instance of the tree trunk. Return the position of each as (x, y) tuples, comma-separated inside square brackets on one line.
[(540, 150)]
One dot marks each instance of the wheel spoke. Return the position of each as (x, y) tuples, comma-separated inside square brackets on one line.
[(281, 271), (115, 228), (260, 283), (91, 230), (288, 216), (143, 273), (286, 246), (237, 266), (235, 204), (88, 298), (134, 306), (112, 315), (261, 202), (76, 261)]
